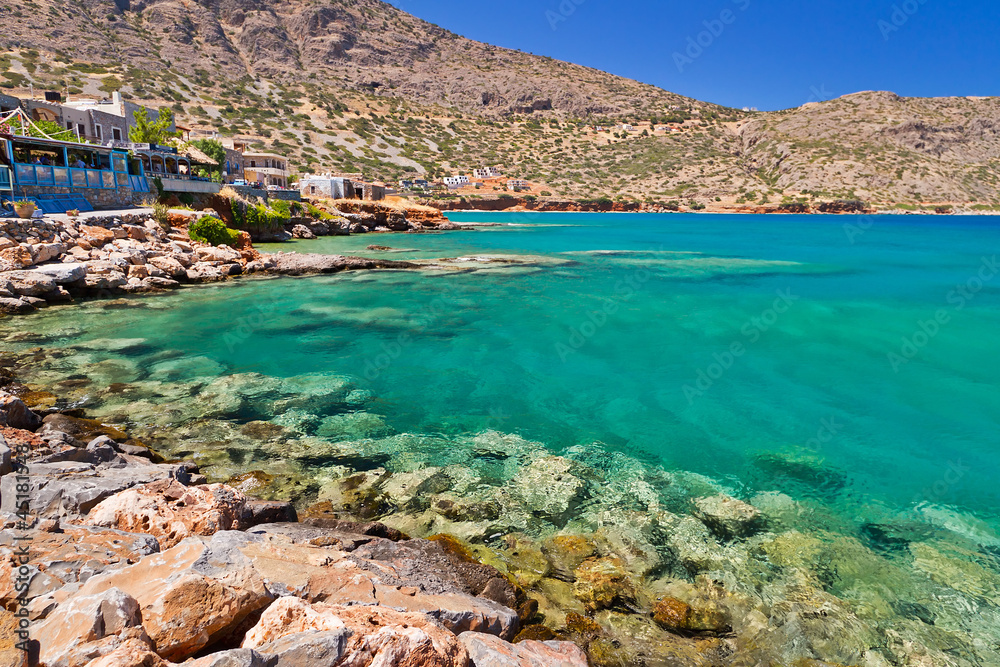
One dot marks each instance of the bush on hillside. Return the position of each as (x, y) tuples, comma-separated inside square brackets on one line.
[(257, 217), (212, 231)]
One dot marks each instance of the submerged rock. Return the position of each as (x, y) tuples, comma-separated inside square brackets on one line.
[(728, 517)]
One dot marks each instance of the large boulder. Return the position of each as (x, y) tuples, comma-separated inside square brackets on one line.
[(302, 232), (30, 283), (62, 274), (71, 489), (66, 557), (133, 652), (169, 265), (10, 306), (377, 636), (170, 511), (190, 595), (320, 570), (15, 414), (43, 252), (83, 619), (96, 236)]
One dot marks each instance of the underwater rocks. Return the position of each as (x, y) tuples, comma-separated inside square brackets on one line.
[(727, 517), (300, 264)]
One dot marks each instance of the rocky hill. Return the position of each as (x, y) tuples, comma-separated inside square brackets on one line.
[(360, 85)]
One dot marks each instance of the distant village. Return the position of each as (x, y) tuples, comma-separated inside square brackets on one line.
[(78, 152)]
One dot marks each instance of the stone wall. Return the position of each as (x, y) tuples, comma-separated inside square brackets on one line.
[(287, 195), (28, 231)]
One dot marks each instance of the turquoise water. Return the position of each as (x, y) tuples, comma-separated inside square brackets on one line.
[(622, 330), (603, 346), (847, 363)]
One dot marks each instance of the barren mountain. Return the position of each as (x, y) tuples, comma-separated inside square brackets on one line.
[(360, 85)]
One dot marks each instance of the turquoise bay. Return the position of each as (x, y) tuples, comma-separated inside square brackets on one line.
[(851, 361), (880, 367)]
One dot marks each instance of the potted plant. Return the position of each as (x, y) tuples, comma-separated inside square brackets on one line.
[(25, 208), (73, 212)]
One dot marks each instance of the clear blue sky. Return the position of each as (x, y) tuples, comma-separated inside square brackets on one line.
[(767, 54)]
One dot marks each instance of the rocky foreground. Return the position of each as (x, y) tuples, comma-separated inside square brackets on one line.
[(112, 559)]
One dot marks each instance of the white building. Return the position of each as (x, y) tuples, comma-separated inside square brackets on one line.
[(487, 172), (325, 185), (627, 128), (516, 184), (456, 181)]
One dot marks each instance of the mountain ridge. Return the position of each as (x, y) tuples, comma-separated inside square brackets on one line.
[(361, 85)]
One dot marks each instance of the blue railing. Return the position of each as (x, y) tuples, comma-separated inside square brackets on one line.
[(5, 183), (98, 179)]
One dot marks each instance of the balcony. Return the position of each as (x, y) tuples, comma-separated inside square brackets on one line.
[(266, 171)]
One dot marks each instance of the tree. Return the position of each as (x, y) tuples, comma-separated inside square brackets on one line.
[(214, 150), (46, 128), (146, 131)]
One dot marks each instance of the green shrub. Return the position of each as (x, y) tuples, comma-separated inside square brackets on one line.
[(257, 218), (161, 213), (286, 208), (212, 231)]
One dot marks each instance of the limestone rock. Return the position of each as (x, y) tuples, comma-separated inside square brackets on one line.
[(302, 232), (169, 265), (6, 460), (378, 636), (291, 615), (83, 619), (245, 657), (10, 655), (131, 653), (191, 594), (68, 556), (728, 517), (489, 651), (96, 236), (14, 413), (170, 511), (62, 274), (43, 252), (30, 283), (9, 306), (307, 648)]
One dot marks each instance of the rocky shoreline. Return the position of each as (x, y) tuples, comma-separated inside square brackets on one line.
[(116, 558), (293, 526), (56, 259)]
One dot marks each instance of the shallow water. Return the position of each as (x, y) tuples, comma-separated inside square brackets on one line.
[(847, 362)]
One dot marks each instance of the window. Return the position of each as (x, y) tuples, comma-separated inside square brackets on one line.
[(81, 130), (253, 164), (98, 132), (116, 133), (69, 126)]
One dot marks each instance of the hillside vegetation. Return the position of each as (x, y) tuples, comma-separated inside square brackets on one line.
[(360, 85)]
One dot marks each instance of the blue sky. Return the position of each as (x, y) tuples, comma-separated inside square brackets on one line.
[(770, 55)]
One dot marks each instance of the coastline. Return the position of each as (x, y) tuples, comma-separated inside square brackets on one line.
[(630, 562)]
